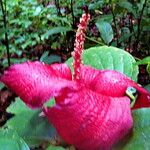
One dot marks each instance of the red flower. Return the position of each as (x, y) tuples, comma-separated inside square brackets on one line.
[(92, 110)]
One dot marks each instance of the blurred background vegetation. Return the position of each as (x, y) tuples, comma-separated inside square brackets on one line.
[(45, 29)]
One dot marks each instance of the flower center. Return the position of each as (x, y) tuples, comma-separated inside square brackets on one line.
[(131, 92), (79, 45)]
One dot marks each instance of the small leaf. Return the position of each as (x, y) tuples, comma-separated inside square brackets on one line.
[(9, 140), (112, 58), (144, 61), (1, 86), (148, 68), (138, 139), (14, 61), (50, 59), (37, 11), (105, 30), (147, 87), (55, 30), (45, 54), (126, 5), (29, 125), (55, 148)]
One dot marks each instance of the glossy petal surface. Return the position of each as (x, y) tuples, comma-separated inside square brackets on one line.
[(89, 120), (36, 82), (112, 83)]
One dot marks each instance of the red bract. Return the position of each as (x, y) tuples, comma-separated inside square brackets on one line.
[(92, 111), (82, 116)]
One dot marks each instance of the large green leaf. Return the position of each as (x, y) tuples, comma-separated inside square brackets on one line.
[(139, 138), (9, 140), (105, 30), (105, 57), (33, 128)]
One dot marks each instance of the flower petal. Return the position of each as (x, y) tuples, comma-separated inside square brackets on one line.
[(112, 83), (89, 120), (36, 82)]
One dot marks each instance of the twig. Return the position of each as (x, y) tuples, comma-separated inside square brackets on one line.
[(131, 29), (98, 42), (115, 24), (139, 23), (5, 26), (72, 13), (58, 7)]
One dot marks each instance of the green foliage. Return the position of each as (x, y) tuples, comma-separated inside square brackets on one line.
[(1, 85), (55, 148), (105, 57), (50, 59), (55, 30), (105, 30), (37, 23), (145, 61), (31, 24), (147, 87), (28, 123), (139, 137), (9, 140)]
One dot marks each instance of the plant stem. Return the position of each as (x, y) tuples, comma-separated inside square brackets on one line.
[(72, 13), (91, 39), (131, 30), (139, 23), (115, 24), (58, 7), (3, 7)]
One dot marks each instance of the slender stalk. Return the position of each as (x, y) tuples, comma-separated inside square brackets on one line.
[(139, 22), (3, 7), (131, 30), (115, 24), (58, 7), (72, 13), (97, 42)]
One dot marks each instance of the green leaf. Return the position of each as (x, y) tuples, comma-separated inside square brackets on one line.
[(105, 30), (9, 140), (144, 61), (55, 148), (55, 30), (50, 59), (1, 86), (148, 68), (147, 87), (14, 61), (126, 5), (33, 128), (38, 10), (105, 57), (138, 139)]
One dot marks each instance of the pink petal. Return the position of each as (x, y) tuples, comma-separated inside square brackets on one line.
[(112, 83), (91, 121), (36, 82)]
